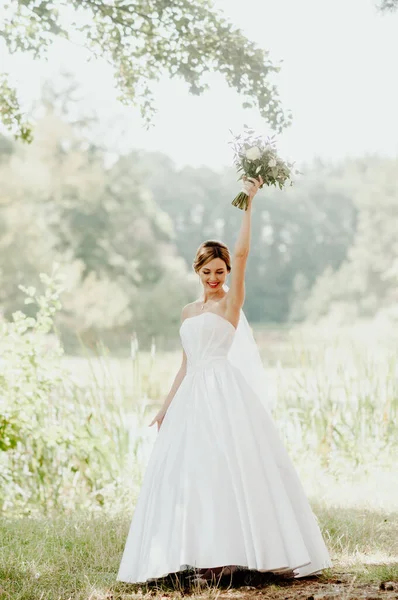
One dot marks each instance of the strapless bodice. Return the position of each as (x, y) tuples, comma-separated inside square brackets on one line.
[(206, 339)]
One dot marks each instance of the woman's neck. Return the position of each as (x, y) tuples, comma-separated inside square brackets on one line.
[(216, 297)]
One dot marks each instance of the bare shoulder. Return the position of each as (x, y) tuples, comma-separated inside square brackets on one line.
[(190, 310)]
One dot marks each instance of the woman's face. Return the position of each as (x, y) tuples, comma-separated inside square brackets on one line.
[(213, 274)]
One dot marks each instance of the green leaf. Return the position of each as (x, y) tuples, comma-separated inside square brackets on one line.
[(144, 41)]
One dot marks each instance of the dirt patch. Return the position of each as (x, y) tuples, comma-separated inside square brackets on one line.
[(246, 585)]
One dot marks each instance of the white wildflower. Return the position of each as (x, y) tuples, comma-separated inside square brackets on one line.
[(253, 153)]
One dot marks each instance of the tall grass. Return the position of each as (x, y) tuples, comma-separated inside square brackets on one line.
[(73, 432), (340, 403)]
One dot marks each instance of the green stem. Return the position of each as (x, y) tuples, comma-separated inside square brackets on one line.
[(240, 201)]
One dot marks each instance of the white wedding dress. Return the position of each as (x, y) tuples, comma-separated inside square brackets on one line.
[(219, 488)]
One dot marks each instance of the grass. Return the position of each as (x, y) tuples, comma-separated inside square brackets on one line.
[(77, 556)]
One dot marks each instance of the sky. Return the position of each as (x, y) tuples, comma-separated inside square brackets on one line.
[(338, 77)]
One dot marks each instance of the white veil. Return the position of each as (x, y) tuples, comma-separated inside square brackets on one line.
[(245, 356)]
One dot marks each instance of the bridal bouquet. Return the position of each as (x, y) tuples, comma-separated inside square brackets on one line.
[(256, 156)]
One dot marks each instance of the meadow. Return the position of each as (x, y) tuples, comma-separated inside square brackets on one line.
[(76, 441)]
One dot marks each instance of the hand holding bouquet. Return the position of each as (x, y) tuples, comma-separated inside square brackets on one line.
[(250, 187), (257, 157)]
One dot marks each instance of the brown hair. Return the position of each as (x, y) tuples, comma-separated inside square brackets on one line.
[(209, 250)]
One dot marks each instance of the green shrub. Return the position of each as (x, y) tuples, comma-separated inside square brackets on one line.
[(62, 446)]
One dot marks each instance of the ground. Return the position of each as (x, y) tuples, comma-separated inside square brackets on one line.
[(246, 585)]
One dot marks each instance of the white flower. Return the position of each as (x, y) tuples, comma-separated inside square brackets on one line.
[(272, 162), (253, 153)]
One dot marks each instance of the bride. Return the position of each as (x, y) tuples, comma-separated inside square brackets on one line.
[(220, 491)]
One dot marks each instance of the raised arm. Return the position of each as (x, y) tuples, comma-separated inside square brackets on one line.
[(236, 293)]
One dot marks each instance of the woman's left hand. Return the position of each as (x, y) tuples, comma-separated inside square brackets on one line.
[(252, 185)]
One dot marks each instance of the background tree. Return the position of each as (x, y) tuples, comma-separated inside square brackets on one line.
[(143, 40), (61, 202), (388, 5), (125, 240), (367, 281)]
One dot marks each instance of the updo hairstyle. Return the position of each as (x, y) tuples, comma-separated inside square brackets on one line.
[(209, 250)]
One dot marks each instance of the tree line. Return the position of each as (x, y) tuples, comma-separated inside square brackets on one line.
[(125, 234)]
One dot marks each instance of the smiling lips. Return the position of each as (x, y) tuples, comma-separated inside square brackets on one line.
[(213, 285)]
